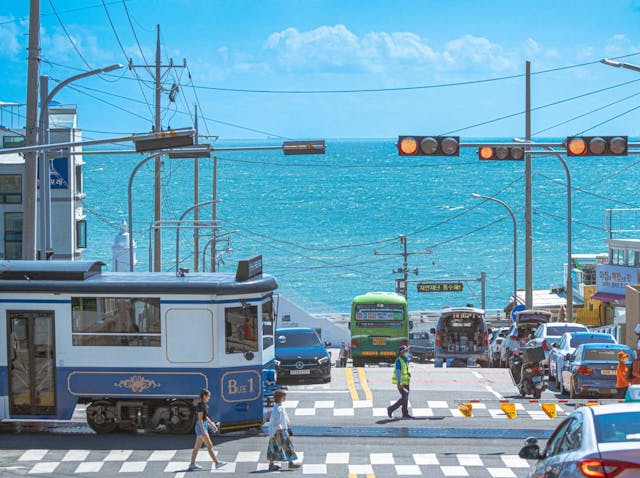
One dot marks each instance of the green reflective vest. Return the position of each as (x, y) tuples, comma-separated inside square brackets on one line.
[(404, 372)]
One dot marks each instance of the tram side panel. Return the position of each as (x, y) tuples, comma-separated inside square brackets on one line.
[(151, 370)]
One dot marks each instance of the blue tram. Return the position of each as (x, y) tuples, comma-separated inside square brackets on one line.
[(134, 347)]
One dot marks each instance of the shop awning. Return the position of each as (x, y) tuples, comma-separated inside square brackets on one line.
[(608, 297)]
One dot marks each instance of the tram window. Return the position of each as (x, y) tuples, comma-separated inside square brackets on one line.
[(115, 321), (241, 326), (267, 324)]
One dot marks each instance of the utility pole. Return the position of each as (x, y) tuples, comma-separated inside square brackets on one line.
[(404, 270), (29, 218), (196, 198), (157, 183), (528, 188)]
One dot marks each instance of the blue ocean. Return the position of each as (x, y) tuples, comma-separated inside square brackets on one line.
[(318, 220)]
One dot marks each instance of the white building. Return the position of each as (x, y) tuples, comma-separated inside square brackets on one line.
[(68, 224)]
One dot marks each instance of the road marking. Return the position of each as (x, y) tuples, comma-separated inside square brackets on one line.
[(365, 385), (454, 471), (492, 391), (477, 375), (44, 467), (33, 455), (76, 455), (348, 373), (133, 466), (89, 467)]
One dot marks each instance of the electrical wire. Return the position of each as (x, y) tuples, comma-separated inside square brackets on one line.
[(608, 120), (73, 44), (70, 10), (135, 35)]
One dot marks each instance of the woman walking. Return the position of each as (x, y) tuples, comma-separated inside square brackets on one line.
[(280, 446), (203, 423)]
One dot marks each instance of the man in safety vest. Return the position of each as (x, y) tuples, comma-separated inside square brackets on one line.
[(401, 378)]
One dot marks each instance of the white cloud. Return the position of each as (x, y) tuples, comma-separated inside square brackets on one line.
[(336, 48), (620, 45), (11, 37)]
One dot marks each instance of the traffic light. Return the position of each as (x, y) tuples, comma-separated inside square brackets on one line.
[(597, 145), (429, 145), (501, 153)]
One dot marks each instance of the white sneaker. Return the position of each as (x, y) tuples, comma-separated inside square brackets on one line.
[(194, 467), (220, 464)]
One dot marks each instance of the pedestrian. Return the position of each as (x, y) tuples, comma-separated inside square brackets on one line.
[(401, 378), (203, 423), (634, 376), (343, 355), (622, 374), (280, 446)]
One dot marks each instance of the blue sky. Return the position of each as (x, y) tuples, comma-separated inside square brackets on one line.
[(315, 46)]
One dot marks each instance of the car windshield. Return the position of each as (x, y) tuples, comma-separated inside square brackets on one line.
[(590, 339), (601, 354), (618, 427), (561, 329), (299, 339)]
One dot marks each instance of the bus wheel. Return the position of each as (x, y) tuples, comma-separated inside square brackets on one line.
[(182, 419), (101, 416)]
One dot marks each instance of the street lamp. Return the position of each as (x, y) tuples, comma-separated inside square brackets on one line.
[(146, 141), (43, 138), (515, 241), (569, 284), (618, 64)]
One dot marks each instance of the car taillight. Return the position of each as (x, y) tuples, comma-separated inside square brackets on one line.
[(498, 341), (584, 370), (354, 344), (545, 345), (513, 337), (404, 342), (604, 468), (486, 338), (535, 369), (437, 339)]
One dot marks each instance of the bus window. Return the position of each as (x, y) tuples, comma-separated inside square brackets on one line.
[(241, 326)]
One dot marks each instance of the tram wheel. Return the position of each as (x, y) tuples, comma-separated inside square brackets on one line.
[(182, 419), (101, 416)]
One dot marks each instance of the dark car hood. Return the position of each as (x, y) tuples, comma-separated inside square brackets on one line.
[(291, 353)]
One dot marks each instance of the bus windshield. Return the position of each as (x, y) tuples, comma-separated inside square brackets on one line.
[(379, 312)]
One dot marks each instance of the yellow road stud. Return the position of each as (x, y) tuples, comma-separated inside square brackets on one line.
[(509, 410), (549, 409)]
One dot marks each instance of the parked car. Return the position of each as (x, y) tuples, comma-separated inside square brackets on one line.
[(495, 341), (421, 345), (462, 337), (548, 334), (592, 369), (299, 353), (521, 332), (598, 441), (568, 344)]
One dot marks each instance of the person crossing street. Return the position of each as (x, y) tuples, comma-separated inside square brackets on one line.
[(401, 378)]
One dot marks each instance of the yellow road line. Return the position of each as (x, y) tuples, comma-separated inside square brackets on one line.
[(352, 387), (371, 475), (365, 385)]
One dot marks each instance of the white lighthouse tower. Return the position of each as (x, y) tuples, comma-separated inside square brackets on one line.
[(120, 250)]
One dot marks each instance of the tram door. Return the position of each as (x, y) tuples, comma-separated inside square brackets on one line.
[(31, 362)]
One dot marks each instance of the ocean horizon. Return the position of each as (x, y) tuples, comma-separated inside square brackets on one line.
[(318, 219)]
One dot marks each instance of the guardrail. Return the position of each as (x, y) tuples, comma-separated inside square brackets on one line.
[(609, 329)]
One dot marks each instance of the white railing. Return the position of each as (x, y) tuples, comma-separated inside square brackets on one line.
[(609, 329)]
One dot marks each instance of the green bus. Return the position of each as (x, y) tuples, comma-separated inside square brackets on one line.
[(379, 325)]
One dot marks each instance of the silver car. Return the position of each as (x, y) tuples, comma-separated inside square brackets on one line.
[(602, 441)]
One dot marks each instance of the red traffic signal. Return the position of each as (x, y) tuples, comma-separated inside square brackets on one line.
[(428, 145), (501, 153), (597, 145)]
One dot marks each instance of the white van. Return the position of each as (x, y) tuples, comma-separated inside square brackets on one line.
[(462, 337)]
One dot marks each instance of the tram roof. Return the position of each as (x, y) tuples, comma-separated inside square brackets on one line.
[(87, 277)]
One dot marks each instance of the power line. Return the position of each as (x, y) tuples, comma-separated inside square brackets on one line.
[(73, 44), (135, 35), (609, 120)]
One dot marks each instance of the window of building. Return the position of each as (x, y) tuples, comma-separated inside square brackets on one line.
[(241, 329), (115, 321), (81, 234), (12, 235), (13, 141), (10, 188)]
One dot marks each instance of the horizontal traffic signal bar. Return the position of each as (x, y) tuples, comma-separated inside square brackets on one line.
[(428, 145), (501, 153), (597, 146)]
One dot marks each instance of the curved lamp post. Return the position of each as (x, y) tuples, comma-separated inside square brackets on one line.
[(515, 241), (43, 138)]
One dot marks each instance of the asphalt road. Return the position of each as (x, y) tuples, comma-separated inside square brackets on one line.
[(341, 429)]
